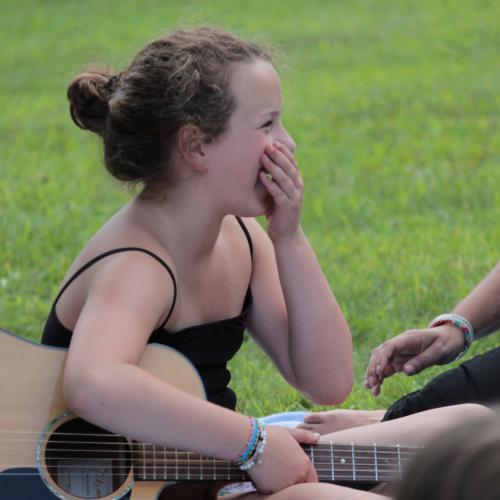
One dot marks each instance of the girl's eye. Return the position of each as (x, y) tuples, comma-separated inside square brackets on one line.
[(267, 124)]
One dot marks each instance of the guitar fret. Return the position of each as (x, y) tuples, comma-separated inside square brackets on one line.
[(353, 464), (399, 461), (333, 461), (376, 461), (144, 460), (154, 461)]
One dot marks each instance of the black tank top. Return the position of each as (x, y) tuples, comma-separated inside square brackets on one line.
[(208, 346)]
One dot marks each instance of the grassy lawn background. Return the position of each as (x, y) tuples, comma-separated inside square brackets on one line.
[(395, 110)]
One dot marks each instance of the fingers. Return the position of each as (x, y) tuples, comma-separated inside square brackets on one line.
[(283, 149), (312, 476), (281, 164), (429, 357), (313, 418), (304, 436), (409, 352), (280, 185), (378, 366)]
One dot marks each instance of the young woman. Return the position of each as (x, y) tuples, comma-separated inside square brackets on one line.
[(196, 121)]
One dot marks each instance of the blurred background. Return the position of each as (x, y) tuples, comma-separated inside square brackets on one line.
[(394, 106)]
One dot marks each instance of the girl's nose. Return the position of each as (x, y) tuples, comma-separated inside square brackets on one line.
[(287, 140)]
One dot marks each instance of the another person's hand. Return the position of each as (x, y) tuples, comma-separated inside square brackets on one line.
[(411, 352), (285, 188), (284, 462)]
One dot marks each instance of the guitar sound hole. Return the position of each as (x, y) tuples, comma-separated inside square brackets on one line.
[(87, 461)]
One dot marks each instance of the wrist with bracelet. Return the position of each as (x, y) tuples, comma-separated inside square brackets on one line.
[(461, 323), (251, 454)]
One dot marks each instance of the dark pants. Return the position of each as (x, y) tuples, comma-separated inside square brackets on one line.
[(475, 381)]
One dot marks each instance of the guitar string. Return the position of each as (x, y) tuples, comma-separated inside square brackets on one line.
[(185, 456), (221, 473), (326, 477), (197, 463), (206, 463), (387, 448), (195, 466), (319, 447), (120, 436), (323, 446), (382, 461), (139, 458), (196, 456), (220, 465)]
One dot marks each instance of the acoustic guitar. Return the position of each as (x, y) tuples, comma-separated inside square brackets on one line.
[(77, 460)]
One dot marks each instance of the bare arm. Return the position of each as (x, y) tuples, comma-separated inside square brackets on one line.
[(104, 384), (482, 306), (415, 350), (296, 317)]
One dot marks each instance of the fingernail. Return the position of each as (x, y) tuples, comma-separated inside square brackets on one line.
[(409, 369), (377, 370)]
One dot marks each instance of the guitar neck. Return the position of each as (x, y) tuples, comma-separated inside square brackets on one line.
[(333, 463)]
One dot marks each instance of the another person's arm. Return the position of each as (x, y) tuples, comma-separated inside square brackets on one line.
[(415, 350)]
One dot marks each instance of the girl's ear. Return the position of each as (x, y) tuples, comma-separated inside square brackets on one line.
[(190, 145)]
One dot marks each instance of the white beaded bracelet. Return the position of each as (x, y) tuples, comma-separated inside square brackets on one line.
[(255, 457), (460, 322)]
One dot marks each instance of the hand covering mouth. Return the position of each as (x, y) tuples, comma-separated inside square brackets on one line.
[(267, 174)]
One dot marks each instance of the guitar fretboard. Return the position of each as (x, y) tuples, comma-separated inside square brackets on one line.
[(333, 463)]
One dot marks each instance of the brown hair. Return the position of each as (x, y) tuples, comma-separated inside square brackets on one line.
[(178, 79), (461, 464)]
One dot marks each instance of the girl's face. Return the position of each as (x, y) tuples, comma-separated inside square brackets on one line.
[(235, 157)]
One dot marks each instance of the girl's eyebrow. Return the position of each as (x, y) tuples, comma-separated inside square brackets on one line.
[(273, 112)]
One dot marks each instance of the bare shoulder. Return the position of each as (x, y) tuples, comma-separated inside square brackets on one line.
[(252, 224), (131, 281), (122, 263), (128, 296), (260, 239), (257, 232)]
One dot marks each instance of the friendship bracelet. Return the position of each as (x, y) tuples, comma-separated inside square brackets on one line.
[(460, 322), (255, 457), (251, 442)]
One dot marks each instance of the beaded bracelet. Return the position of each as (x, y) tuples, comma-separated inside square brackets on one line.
[(250, 444), (255, 457), (460, 322)]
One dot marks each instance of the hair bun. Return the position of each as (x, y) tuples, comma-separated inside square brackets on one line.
[(88, 96)]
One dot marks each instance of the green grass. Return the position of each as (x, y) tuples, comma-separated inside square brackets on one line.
[(394, 106)]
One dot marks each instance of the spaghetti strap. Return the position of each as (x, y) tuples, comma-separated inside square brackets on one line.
[(118, 250), (247, 234)]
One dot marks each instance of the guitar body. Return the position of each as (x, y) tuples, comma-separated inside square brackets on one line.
[(34, 420)]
